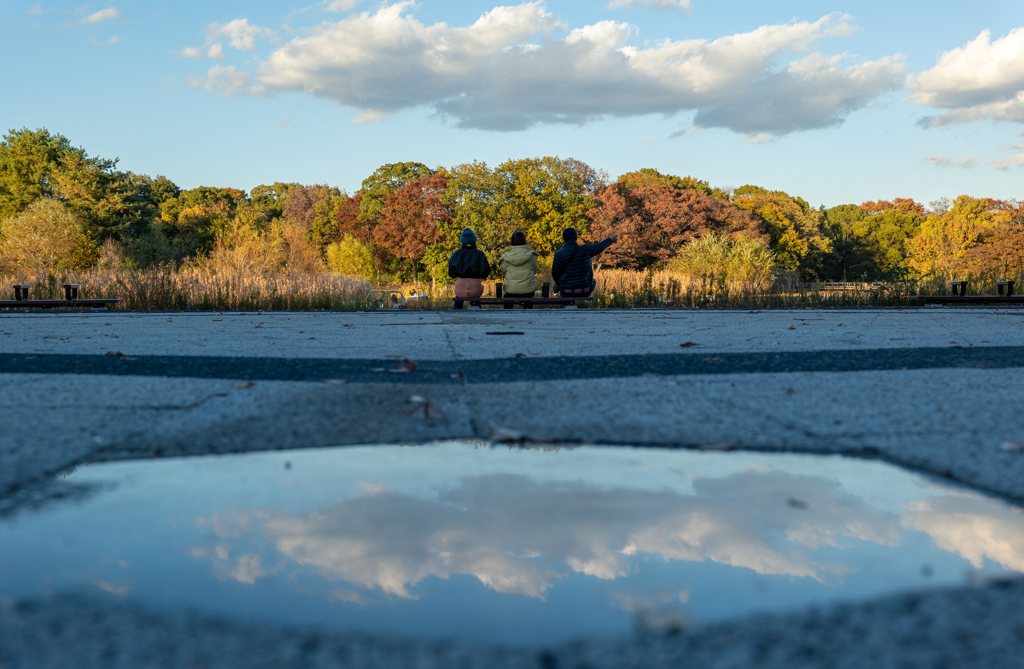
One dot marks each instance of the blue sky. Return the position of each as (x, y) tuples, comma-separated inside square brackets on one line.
[(837, 102)]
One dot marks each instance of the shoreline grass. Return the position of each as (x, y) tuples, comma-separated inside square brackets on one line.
[(194, 289)]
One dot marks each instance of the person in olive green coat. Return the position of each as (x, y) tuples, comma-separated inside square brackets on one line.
[(519, 264)]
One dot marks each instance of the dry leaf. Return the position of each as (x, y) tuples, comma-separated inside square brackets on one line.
[(791, 328), (247, 384), (688, 344)]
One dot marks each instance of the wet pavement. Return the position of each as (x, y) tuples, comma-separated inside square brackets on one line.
[(521, 546), (933, 390)]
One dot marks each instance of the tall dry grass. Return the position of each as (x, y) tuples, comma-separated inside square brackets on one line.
[(231, 289), (188, 289)]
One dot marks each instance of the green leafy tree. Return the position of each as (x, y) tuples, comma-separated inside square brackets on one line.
[(198, 215), (385, 180), (271, 198), (35, 164), (543, 196), (794, 227)]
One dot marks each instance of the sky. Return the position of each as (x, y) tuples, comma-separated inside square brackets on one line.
[(839, 102)]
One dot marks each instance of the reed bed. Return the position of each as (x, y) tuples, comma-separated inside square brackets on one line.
[(189, 289), (197, 289)]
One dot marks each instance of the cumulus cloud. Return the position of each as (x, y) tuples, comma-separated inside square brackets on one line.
[(1017, 159), (943, 160), (685, 6), (341, 5), (239, 33), (108, 14), (982, 79), (500, 529), (972, 526), (514, 68), (229, 81)]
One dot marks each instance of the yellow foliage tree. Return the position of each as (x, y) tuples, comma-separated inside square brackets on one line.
[(350, 258), (943, 245), (46, 236)]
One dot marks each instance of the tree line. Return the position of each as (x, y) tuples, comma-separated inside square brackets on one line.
[(60, 207)]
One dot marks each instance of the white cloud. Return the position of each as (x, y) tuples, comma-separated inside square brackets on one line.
[(240, 34), (214, 51), (943, 160), (1016, 159), (969, 525), (685, 6), (108, 14), (489, 75), (229, 81), (341, 5), (982, 79), (37, 10), (500, 529)]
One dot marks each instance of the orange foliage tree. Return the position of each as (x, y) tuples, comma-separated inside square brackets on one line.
[(654, 221), (410, 217)]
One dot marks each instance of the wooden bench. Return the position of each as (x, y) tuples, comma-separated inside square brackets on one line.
[(21, 300), (960, 296), (526, 302)]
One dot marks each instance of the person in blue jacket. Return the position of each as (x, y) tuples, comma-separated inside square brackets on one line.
[(468, 266), (571, 268)]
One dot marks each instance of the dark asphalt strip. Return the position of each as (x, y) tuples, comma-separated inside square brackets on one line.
[(513, 369)]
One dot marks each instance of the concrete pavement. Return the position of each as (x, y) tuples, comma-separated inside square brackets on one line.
[(937, 389)]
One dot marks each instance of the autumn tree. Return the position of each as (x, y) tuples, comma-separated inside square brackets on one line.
[(945, 243), (652, 177), (410, 220), (543, 196), (654, 221), (384, 181), (905, 204), (47, 235), (795, 229)]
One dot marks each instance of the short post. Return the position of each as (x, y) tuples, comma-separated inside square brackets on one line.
[(545, 290), (498, 289), (959, 288), (20, 291), (1005, 286), (71, 291)]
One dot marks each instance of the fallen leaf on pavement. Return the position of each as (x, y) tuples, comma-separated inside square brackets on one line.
[(688, 344)]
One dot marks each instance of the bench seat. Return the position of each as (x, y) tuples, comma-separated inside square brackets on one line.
[(51, 304)]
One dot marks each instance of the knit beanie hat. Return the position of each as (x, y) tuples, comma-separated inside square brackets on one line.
[(568, 234), (467, 236)]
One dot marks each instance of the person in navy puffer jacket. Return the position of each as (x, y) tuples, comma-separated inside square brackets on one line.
[(571, 268)]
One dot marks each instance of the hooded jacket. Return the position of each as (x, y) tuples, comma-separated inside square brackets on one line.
[(519, 263), (468, 264)]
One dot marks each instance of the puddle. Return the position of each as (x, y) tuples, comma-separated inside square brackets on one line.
[(525, 547)]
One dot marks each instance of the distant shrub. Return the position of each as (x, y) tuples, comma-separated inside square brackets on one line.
[(715, 261), (46, 236), (351, 258)]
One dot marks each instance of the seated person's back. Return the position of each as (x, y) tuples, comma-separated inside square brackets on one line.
[(519, 264), (468, 266), (572, 269)]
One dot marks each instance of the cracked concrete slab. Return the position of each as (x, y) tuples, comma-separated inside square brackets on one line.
[(961, 423)]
